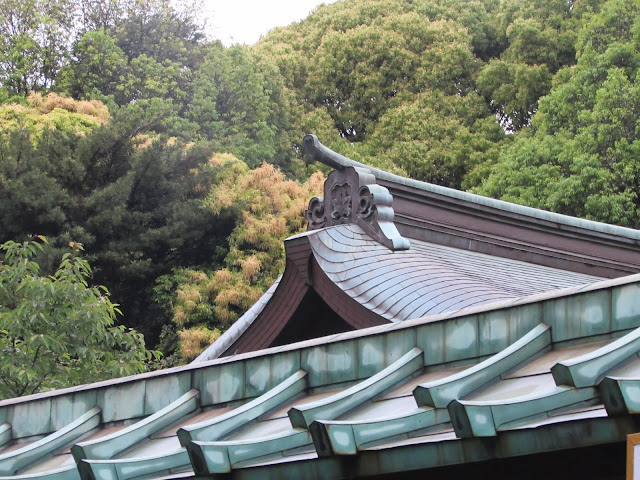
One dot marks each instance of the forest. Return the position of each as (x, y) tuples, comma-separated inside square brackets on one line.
[(165, 169)]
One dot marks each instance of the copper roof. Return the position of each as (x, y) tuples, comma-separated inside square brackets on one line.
[(468, 385), (495, 336), (428, 278)]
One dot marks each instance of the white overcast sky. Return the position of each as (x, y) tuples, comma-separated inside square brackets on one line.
[(244, 21)]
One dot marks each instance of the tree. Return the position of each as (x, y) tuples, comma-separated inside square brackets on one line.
[(513, 89), (57, 330), (131, 196), (34, 41), (232, 107), (353, 70), (131, 50), (358, 74), (268, 208), (99, 68), (40, 176), (539, 40), (98, 14), (580, 157), (437, 138), (142, 207), (481, 19)]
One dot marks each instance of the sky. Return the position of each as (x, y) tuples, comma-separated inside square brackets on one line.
[(244, 21)]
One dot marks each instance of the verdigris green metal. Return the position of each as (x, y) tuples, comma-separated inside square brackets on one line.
[(5, 433), (452, 339), (441, 392), (13, 461), (431, 333), (349, 437), (218, 427), (486, 418), (625, 308), (68, 472), (564, 435), (126, 468), (221, 457), (621, 396), (110, 445), (332, 407), (386, 460), (587, 370)]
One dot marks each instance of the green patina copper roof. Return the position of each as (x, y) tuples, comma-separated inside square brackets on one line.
[(428, 278), (551, 366)]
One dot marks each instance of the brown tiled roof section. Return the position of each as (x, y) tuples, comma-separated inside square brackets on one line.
[(428, 278)]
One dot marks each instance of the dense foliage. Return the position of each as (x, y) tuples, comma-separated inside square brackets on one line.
[(57, 330), (581, 155), (267, 208), (177, 161)]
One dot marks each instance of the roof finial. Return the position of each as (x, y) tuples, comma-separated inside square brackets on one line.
[(318, 152), (351, 195)]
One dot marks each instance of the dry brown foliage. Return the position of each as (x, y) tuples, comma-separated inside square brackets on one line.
[(48, 103), (272, 208), (194, 340)]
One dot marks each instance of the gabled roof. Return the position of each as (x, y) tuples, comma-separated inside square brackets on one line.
[(454, 343), (382, 248), (367, 284), (428, 278)]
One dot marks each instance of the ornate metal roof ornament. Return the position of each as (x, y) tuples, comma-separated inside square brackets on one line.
[(351, 195)]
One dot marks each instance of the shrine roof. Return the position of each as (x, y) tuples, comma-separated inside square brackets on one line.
[(384, 249), (546, 372), (428, 278), (322, 154), (481, 331)]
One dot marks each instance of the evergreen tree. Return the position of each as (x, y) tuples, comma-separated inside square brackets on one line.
[(580, 156)]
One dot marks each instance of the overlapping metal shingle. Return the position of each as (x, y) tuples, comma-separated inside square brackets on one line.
[(428, 278)]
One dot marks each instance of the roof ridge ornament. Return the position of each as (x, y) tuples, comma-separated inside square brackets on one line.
[(351, 195)]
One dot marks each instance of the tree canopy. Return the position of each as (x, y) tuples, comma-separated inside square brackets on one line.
[(581, 155), (177, 162), (373, 67), (267, 208)]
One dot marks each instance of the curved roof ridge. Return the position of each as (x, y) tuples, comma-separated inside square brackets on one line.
[(317, 151)]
